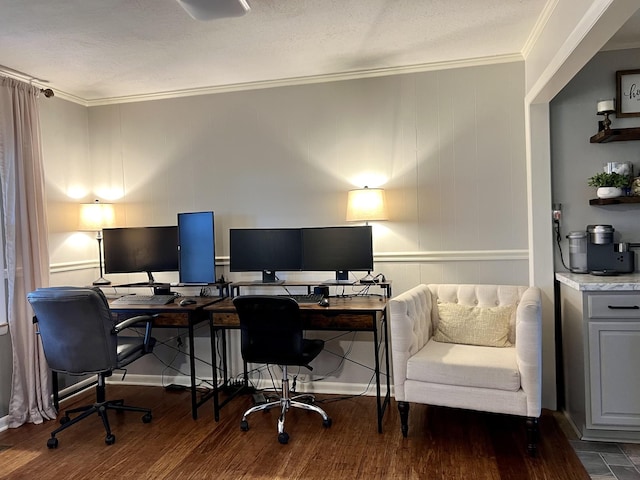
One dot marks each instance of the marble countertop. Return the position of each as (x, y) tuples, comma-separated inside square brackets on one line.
[(588, 282)]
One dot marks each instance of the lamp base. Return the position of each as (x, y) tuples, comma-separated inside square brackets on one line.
[(101, 281)]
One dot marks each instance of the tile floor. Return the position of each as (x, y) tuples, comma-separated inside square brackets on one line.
[(609, 461), (604, 460)]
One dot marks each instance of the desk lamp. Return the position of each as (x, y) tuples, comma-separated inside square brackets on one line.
[(93, 218), (365, 204)]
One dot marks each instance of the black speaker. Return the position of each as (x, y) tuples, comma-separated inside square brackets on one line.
[(324, 291)]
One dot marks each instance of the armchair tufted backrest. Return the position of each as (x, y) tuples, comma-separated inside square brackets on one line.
[(476, 296)]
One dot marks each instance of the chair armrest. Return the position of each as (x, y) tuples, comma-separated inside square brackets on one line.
[(129, 322), (132, 321), (529, 348)]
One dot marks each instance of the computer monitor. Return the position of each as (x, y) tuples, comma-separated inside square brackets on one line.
[(196, 248), (141, 249), (265, 250), (338, 249)]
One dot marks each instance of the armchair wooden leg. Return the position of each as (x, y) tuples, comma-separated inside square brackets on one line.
[(403, 408), (533, 433)]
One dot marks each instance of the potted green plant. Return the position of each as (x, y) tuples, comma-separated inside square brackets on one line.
[(609, 185)]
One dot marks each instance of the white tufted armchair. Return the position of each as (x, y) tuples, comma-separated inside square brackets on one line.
[(470, 375)]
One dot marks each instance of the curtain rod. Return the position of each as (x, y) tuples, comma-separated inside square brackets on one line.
[(11, 72)]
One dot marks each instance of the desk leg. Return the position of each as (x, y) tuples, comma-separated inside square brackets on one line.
[(214, 360), (385, 332), (192, 366), (381, 404), (56, 394), (377, 370), (214, 370)]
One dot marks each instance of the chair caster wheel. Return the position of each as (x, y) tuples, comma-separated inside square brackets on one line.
[(110, 439), (64, 419), (52, 442), (327, 423), (283, 438), (244, 425), (146, 418)]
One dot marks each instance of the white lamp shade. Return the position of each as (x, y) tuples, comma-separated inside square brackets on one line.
[(209, 9), (96, 216), (366, 204)]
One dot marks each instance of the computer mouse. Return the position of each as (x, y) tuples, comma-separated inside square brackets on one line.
[(324, 302), (186, 301)]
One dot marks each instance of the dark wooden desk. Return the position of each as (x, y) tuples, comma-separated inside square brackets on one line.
[(362, 314), (173, 315), (385, 286)]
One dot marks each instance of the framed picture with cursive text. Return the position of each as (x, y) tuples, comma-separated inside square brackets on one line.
[(628, 93)]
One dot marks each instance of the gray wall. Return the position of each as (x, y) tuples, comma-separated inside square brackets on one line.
[(574, 159)]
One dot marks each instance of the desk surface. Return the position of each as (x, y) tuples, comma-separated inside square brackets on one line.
[(350, 314), (173, 307), (336, 304)]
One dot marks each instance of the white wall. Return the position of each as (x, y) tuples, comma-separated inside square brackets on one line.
[(287, 157)]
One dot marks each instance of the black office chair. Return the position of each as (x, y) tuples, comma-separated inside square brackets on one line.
[(271, 333), (79, 337)]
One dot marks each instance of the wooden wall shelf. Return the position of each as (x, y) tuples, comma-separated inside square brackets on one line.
[(614, 201), (616, 135)]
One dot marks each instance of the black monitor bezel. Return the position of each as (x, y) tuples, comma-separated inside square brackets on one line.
[(251, 250), (116, 241), (331, 241)]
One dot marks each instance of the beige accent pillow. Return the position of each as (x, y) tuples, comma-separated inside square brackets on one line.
[(485, 326)]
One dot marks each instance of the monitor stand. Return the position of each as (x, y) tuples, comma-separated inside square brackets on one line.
[(269, 278), (342, 278), (158, 288)]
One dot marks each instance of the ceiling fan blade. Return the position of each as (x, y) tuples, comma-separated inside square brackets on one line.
[(211, 9)]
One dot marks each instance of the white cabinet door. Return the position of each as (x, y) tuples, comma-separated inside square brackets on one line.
[(614, 361)]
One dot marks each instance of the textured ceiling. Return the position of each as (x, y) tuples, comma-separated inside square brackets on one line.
[(97, 49)]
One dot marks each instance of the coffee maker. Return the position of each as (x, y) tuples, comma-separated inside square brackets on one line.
[(604, 257)]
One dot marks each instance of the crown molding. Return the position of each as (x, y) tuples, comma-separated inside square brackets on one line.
[(539, 27), (293, 81)]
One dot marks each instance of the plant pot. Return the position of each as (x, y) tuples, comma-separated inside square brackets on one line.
[(609, 192)]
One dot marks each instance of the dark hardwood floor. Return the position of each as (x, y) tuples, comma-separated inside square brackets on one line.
[(442, 444)]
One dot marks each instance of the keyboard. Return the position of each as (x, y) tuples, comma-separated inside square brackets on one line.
[(308, 298), (144, 300)]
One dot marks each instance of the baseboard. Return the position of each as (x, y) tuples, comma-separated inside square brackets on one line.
[(329, 388), (4, 423), (322, 387)]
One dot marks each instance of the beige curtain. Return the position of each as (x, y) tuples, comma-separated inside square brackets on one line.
[(26, 249)]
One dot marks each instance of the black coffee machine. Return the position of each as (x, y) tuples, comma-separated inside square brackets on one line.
[(604, 257)]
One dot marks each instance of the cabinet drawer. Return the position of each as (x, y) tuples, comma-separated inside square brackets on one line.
[(614, 306)]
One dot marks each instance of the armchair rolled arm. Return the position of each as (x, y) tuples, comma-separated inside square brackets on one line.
[(410, 330), (529, 348)]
